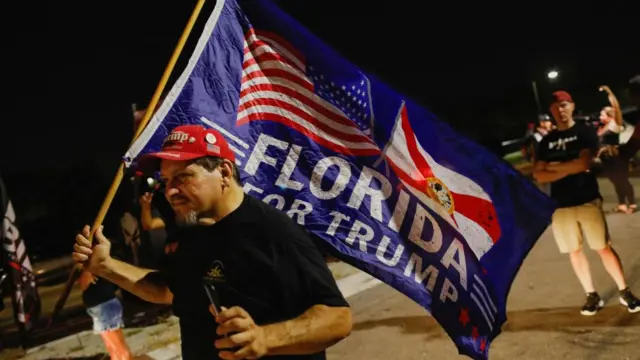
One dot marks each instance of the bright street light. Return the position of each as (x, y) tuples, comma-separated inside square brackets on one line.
[(551, 75)]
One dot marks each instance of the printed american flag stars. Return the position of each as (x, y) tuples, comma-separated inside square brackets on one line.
[(351, 98)]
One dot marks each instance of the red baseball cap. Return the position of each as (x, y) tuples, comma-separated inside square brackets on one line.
[(560, 96), (188, 142)]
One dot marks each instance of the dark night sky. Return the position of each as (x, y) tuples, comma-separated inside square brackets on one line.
[(82, 64), (76, 67)]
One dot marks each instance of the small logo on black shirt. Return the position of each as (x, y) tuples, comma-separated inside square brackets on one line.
[(561, 144), (216, 271)]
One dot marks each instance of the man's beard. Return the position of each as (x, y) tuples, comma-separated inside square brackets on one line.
[(187, 220)]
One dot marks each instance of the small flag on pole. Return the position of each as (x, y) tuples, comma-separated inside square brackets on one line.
[(25, 297)]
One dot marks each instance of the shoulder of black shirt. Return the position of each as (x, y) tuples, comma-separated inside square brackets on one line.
[(274, 223), (265, 213)]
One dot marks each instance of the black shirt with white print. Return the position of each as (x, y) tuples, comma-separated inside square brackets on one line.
[(258, 259), (566, 145)]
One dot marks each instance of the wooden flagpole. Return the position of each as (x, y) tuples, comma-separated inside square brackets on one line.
[(73, 276)]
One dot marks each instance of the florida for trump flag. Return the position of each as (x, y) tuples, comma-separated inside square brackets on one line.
[(396, 192)]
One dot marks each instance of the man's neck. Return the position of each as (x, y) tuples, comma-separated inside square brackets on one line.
[(566, 125), (232, 198)]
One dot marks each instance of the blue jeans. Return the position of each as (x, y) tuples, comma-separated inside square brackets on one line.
[(106, 316)]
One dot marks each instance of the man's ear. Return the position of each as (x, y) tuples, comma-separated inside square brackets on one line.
[(226, 170)]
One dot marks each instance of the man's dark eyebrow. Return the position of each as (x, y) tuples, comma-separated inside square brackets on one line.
[(183, 172), (178, 173)]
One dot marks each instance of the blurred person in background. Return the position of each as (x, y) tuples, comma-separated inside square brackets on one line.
[(106, 312), (165, 221), (545, 126), (542, 128), (535, 134), (631, 148), (99, 295), (615, 167), (148, 202)]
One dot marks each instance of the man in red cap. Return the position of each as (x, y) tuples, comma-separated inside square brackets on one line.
[(276, 295), (564, 160)]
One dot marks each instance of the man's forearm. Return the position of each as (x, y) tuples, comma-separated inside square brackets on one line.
[(546, 176), (317, 329), (144, 283), (570, 167)]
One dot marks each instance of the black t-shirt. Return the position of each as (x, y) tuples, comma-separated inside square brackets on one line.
[(260, 260), (610, 138), (563, 146), (629, 150)]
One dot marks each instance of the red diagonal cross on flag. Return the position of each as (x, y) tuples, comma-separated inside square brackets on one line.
[(455, 197)]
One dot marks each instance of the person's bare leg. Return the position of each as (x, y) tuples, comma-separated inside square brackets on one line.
[(613, 266), (116, 345), (581, 268)]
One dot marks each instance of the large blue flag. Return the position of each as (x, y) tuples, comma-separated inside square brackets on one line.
[(394, 190)]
